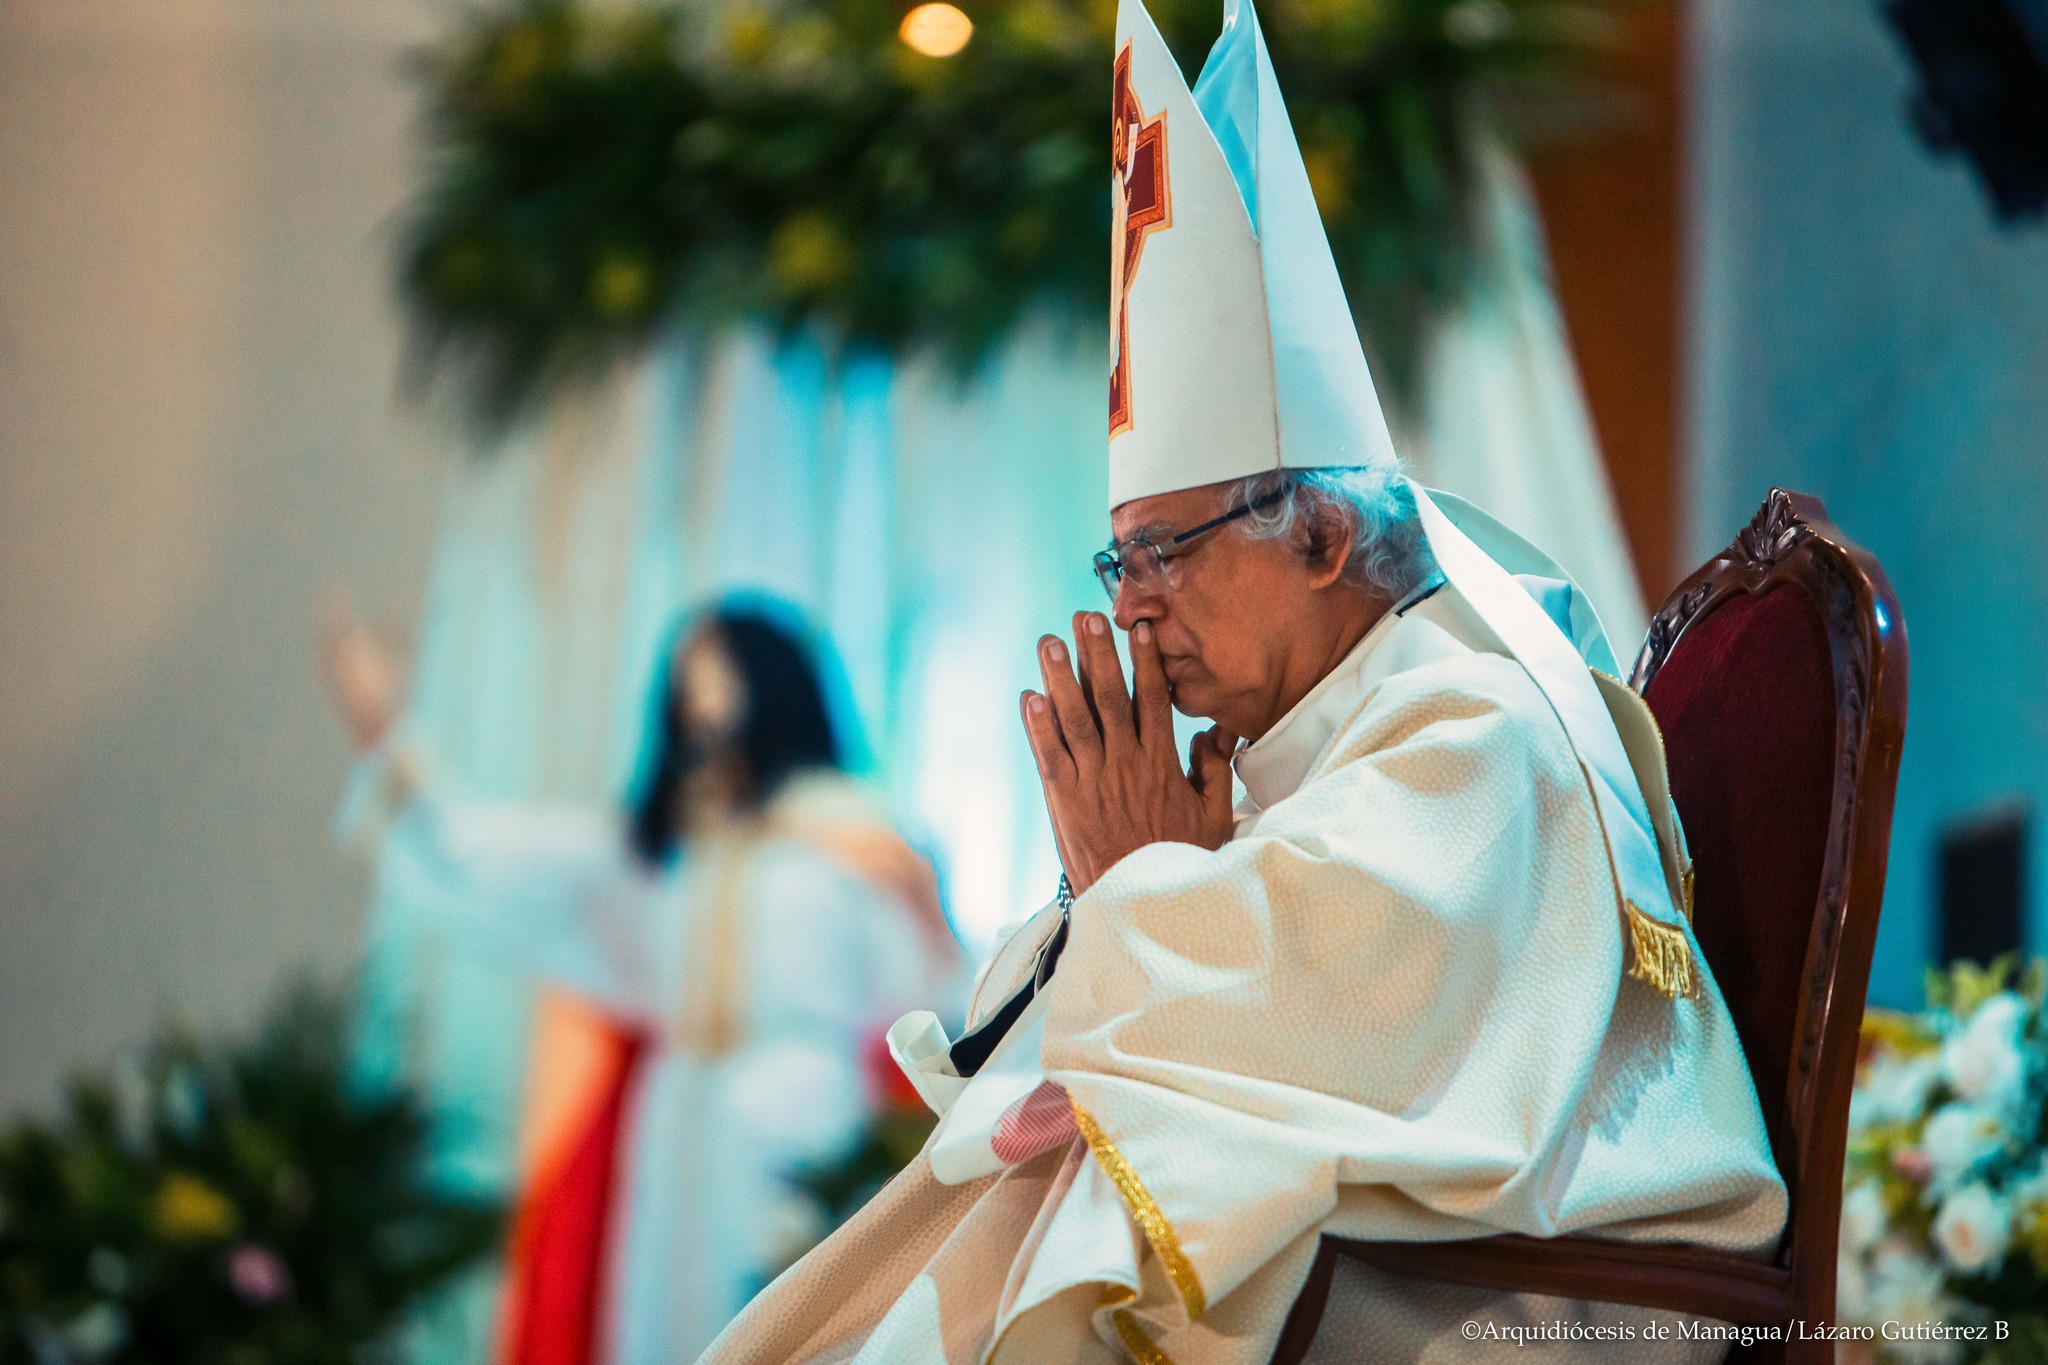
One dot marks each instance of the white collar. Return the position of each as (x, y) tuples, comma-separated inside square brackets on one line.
[(1275, 766)]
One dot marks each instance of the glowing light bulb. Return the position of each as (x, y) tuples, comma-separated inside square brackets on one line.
[(937, 29)]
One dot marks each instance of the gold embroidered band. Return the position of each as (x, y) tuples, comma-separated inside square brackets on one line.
[(1136, 1342), (1149, 1219), (1662, 956)]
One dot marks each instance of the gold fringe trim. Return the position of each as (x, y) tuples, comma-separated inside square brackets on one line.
[(1136, 1342), (1688, 882), (1146, 1212), (1662, 956)]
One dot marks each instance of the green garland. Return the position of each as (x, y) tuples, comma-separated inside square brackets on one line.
[(597, 175), (233, 1205)]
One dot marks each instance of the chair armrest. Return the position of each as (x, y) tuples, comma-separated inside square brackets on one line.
[(1678, 1277)]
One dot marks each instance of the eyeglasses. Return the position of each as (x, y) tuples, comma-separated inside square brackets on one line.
[(1143, 559)]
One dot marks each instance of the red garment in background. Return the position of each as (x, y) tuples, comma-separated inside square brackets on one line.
[(584, 1071), (582, 1077)]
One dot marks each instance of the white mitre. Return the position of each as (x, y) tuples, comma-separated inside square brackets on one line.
[(1233, 351)]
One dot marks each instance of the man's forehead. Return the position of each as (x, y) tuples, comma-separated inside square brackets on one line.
[(1174, 511)]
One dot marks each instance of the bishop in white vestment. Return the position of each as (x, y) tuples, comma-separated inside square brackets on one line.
[(1401, 954)]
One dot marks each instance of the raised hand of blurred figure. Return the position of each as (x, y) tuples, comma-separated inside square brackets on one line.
[(363, 676)]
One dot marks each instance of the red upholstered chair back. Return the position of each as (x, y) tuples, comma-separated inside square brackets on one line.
[(1778, 676)]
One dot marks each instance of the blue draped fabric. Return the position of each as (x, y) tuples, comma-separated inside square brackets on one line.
[(930, 527)]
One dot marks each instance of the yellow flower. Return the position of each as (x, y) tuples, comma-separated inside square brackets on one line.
[(1971, 985), (620, 284), (2030, 1231), (462, 268), (1963, 986), (1329, 177), (806, 47), (186, 1209), (750, 38), (1042, 24), (518, 59), (1896, 1031), (809, 253)]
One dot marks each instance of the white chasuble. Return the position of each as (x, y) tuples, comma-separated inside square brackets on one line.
[(1396, 1005)]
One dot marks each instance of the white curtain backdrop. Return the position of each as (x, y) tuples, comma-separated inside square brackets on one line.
[(1505, 422), (932, 527)]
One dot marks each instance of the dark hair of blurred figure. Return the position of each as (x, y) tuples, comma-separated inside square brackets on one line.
[(784, 725)]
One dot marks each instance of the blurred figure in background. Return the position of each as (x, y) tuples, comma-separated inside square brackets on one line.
[(748, 921)]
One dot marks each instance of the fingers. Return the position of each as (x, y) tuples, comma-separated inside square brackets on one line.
[(1102, 675), (1055, 769), (337, 652), (1055, 764), (1069, 704), (1200, 768), (362, 677), (1209, 770), (1148, 681), (346, 648)]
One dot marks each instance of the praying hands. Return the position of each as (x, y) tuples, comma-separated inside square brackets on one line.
[(1113, 781)]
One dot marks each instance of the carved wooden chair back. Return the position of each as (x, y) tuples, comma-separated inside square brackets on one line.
[(1778, 675)]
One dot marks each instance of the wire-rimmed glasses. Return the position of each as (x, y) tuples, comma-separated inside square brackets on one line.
[(1143, 559)]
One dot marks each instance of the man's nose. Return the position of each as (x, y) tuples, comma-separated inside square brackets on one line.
[(1134, 604)]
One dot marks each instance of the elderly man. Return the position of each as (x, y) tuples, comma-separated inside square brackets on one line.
[(1429, 978)]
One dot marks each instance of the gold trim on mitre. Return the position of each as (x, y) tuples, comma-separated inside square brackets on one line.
[(1663, 958), (1145, 1212)]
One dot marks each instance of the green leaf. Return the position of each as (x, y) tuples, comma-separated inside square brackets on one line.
[(961, 193)]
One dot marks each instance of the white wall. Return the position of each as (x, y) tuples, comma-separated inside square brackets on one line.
[(198, 436)]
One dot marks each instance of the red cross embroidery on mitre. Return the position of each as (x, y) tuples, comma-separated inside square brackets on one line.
[(1142, 204)]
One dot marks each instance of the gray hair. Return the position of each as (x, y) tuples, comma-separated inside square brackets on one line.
[(1389, 555)]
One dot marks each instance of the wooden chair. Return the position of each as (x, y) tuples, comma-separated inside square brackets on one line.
[(1778, 676)]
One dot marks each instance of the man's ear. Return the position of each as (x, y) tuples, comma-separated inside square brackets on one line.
[(1328, 549)]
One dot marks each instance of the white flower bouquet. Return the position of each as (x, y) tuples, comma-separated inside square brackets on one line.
[(1945, 1201)]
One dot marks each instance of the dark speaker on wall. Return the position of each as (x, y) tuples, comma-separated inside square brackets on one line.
[(1984, 884), (1984, 91)]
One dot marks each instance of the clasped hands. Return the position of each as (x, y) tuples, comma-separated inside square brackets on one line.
[(1113, 779)]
